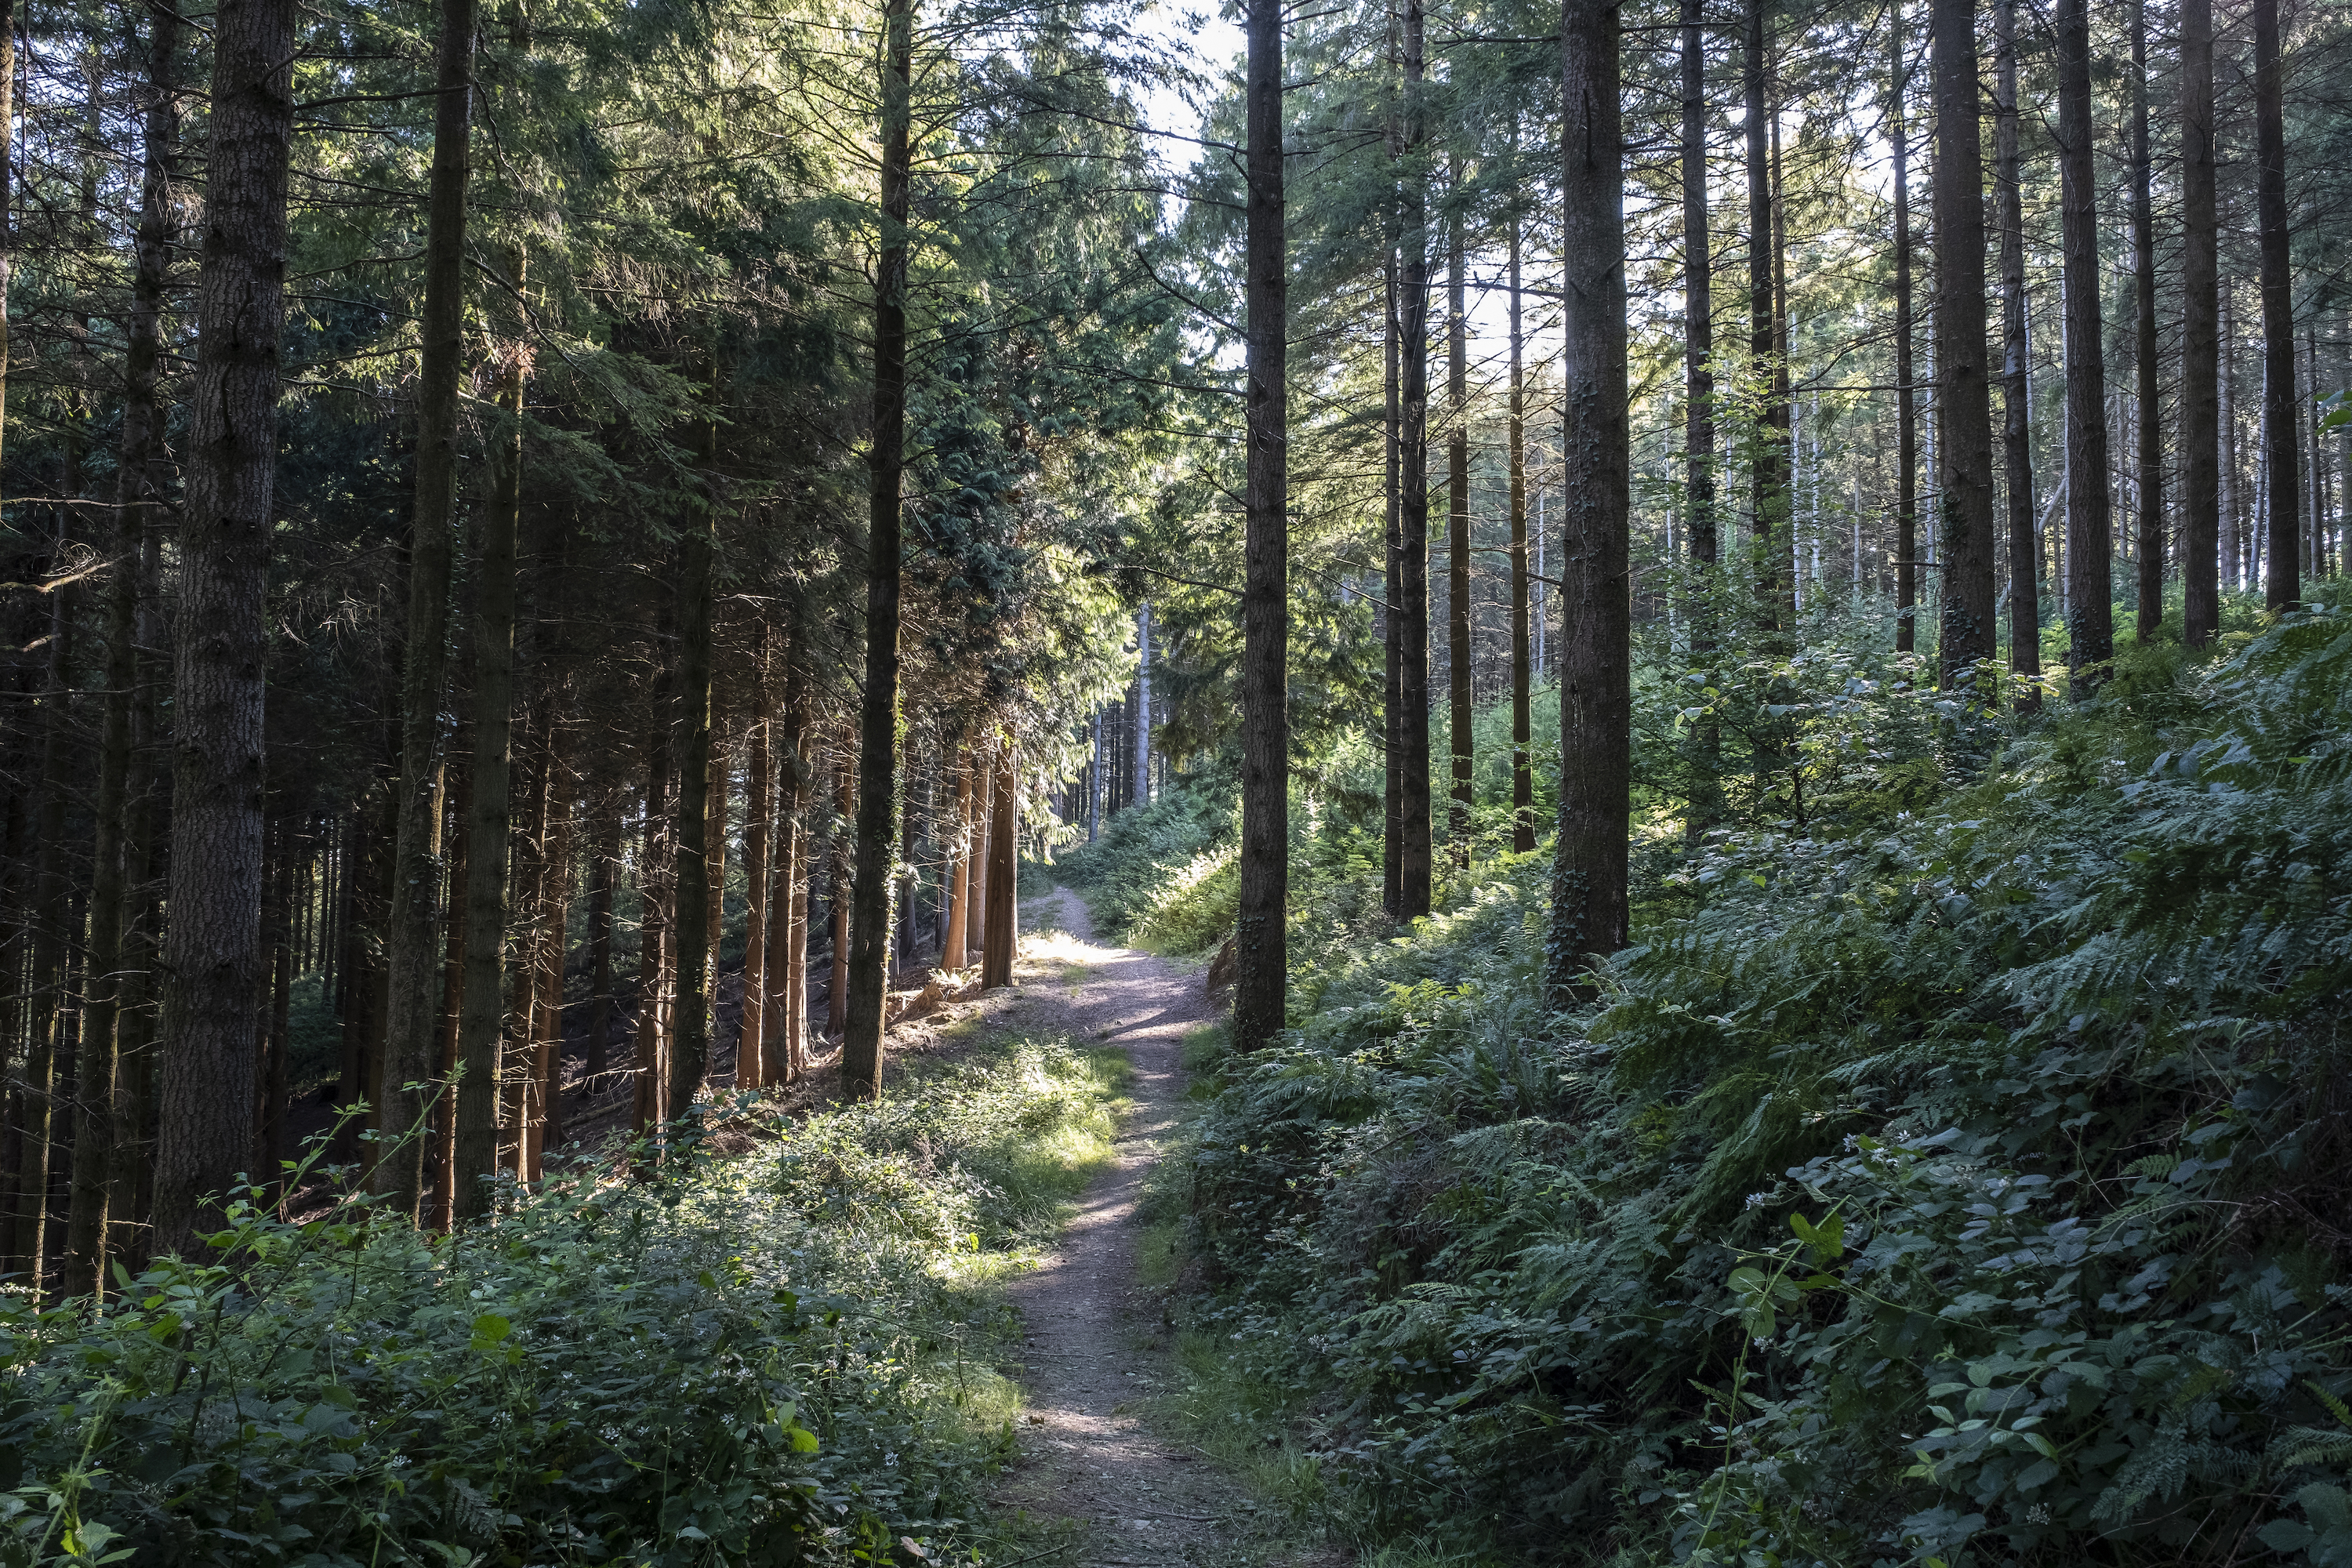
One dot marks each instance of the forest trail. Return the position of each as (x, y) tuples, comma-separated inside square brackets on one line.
[(1098, 1339)]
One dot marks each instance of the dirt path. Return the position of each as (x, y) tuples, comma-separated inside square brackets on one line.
[(1097, 1337)]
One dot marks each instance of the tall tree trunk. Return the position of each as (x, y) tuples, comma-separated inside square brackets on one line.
[(213, 950), (1410, 605), (1523, 785), (2281, 419), (1458, 651), (1004, 842), (1769, 473), (2150, 464), (1590, 913), (545, 1129), (951, 955), (877, 751), (759, 818), (788, 908), (1391, 588), (845, 799), (690, 1056), (2090, 610), (606, 855), (653, 862), (1964, 533), (2017, 428), (1143, 704), (1907, 417), (279, 937), (119, 854), (1260, 945), (2201, 346), (7, 159), (457, 814), (1698, 413), (410, 946), (481, 1019), (975, 930), (35, 1250)]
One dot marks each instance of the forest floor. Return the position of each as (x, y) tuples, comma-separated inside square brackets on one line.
[(1099, 1458)]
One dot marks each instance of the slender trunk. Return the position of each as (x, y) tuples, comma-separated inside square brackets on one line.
[(951, 955), (1698, 413), (213, 959), (759, 817), (1261, 947), (1391, 597), (1906, 419), (2150, 470), (481, 1018), (1410, 605), (1458, 652), (1003, 838), (545, 1129), (845, 798), (2017, 428), (459, 814), (689, 1055), (35, 1249), (606, 855), (1523, 786), (788, 907), (2090, 610), (279, 934), (1779, 412), (1964, 533), (975, 930), (1590, 913), (878, 753), (2201, 346), (652, 896), (1767, 472), (8, 161), (1143, 704), (2282, 420)]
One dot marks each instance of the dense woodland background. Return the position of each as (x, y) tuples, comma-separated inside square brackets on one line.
[(560, 564)]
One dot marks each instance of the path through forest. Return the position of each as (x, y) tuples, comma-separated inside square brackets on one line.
[(1098, 1341)]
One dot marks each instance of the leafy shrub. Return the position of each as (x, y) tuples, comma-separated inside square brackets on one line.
[(1145, 852), (762, 1359), (1954, 1185)]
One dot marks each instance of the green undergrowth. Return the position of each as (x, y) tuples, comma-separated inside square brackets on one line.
[(782, 1355), (1163, 875), (1952, 1176)]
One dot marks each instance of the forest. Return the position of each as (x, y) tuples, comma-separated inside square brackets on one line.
[(1707, 637)]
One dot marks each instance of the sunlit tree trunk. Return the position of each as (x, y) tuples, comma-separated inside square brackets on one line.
[(951, 955), (1906, 418), (1523, 795), (1588, 915), (1003, 839), (1458, 650), (1698, 412), (212, 961), (1411, 605), (1768, 472), (844, 802)]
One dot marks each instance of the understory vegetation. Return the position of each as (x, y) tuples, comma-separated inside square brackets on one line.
[(777, 1349), (1951, 1176)]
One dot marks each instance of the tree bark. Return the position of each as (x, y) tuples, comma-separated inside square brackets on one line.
[(759, 817), (2090, 607), (1410, 605), (652, 896), (1589, 913), (2017, 428), (1523, 787), (689, 1055), (2282, 415), (1458, 650), (1261, 938), (458, 812), (1963, 402), (2200, 347), (490, 833), (1698, 413), (844, 800), (788, 908), (975, 930), (2146, 388), (545, 1128), (1003, 873), (951, 955), (7, 157), (877, 751), (605, 853), (1906, 418), (213, 950), (1768, 472)]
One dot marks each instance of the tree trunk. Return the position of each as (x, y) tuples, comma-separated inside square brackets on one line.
[(1003, 839), (1906, 418), (1458, 650), (119, 854), (653, 858), (481, 1019), (7, 155), (2201, 346), (2146, 388), (836, 996), (759, 818), (983, 812), (1392, 592), (2017, 428), (1523, 787), (1769, 473), (545, 1129), (1261, 944), (606, 855), (1964, 533), (951, 955), (2090, 610), (689, 1055), (1411, 606), (459, 812), (1698, 413), (1143, 704), (213, 959), (1590, 914), (2281, 419), (878, 753), (269, 1163), (788, 907)]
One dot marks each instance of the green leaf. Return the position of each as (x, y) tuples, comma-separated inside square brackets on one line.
[(2287, 1534), (489, 1330)]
